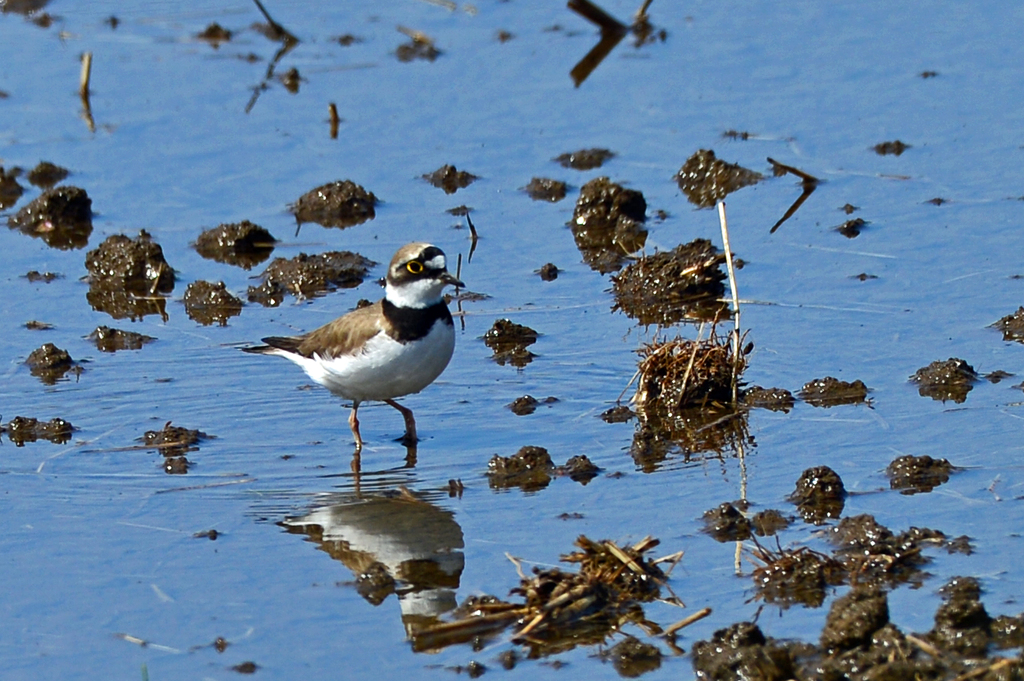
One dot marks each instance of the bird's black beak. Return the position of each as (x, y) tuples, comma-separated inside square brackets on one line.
[(449, 278)]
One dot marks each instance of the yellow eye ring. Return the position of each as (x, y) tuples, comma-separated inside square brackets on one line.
[(414, 266)]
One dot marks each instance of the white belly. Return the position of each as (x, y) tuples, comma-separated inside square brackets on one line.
[(385, 368)]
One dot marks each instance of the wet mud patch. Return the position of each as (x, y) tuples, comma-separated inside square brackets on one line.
[(10, 190), (608, 224), (45, 175), (545, 189), (61, 217), (584, 159), (527, 404), (208, 303), (831, 392), (772, 399), (21, 430), (341, 204), (706, 180), (126, 275), (1012, 326), (670, 286), (916, 474), (509, 341), (531, 469), (307, 276), (112, 340), (49, 364), (174, 442), (242, 244), (819, 495), (450, 179), (555, 610), (950, 379)]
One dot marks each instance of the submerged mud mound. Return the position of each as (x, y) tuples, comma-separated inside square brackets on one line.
[(112, 340), (125, 276), (670, 286), (306, 276), (608, 224), (509, 341), (772, 399), (61, 217), (21, 429), (584, 159), (242, 244), (916, 474), (49, 363), (705, 180), (945, 380), (342, 204), (209, 303), (47, 174), (450, 179), (545, 189), (830, 392)]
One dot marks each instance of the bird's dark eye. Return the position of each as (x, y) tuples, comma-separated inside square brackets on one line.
[(414, 266)]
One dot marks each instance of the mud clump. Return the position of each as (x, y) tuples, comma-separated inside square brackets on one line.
[(45, 277), (705, 180), (112, 340), (584, 159), (945, 380), (215, 34), (670, 286), (726, 523), (61, 217), (851, 228), (579, 469), (853, 619), (527, 404), (243, 244), (608, 224), (418, 47), (306, 276), (618, 414), (529, 469), (49, 363), (559, 610), (879, 557), (787, 577), (894, 148), (631, 657), (915, 474), (830, 392), (174, 442), (450, 179), (10, 190), (768, 522), (1012, 326), (46, 174), (209, 303), (741, 651), (819, 494), (20, 430), (509, 341), (773, 399), (679, 374), (545, 189), (126, 275), (342, 204), (548, 272)]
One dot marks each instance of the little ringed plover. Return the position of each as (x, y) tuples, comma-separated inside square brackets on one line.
[(394, 347)]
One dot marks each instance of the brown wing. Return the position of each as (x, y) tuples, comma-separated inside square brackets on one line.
[(343, 336)]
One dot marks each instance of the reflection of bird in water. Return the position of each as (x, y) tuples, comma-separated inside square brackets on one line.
[(393, 544), (395, 347)]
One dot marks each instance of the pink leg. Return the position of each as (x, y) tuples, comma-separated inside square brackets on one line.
[(410, 422)]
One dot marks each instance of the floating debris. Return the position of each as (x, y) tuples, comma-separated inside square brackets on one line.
[(527, 404), (548, 272), (894, 148), (705, 180), (342, 204), (239, 243), (584, 159), (830, 392), (450, 179), (945, 380), (61, 217), (607, 224), (915, 474), (306, 276), (678, 374), (509, 341), (209, 303), (544, 189), (49, 363), (1012, 326), (21, 429), (46, 174), (773, 399), (819, 495), (726, 523), (112, 340), (670, 286)]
